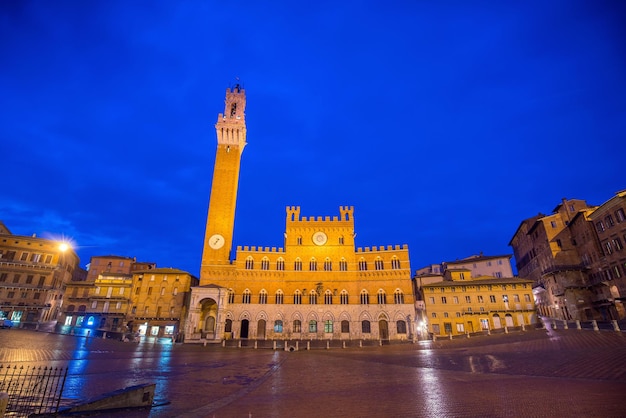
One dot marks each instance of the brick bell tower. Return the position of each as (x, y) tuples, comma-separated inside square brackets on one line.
[(231, 140)]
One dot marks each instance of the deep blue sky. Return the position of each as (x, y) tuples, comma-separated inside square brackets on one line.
[(444, 123)]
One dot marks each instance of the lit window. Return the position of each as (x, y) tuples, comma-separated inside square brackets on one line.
[(328, 326), (278, 326), (297, 325), (312, 325)]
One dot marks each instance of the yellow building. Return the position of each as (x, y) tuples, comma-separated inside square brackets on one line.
[(318, 286), (463, 304), (33, 275), (159, 298), (100, 304)]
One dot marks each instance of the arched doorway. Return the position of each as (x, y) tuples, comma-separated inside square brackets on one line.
[(508, 320), (496, 321), (208, 318), (245, 325), (260, 331), (383, 329)]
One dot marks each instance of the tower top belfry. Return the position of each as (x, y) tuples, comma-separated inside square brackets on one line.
[(231, 125)]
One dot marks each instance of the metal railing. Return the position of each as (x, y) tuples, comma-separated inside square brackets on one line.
[(32, 390)]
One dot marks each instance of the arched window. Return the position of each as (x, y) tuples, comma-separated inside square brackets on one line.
[(70, 308), (313, 265), (328, 326), (434, 315), (280, 264), (228, 325), (398, 297), (278, 326), (246, 296), (344, 297), (341, 240), (328, 265), (231, 296), (297, 265), (82, 308), (297, 297), (328, 297), (365, 297), (313, 325), (382, 297), (362, 264), (395, 263), (297, 325), (279, 297), (345, 327), (401, 327), (249, 263), (365, 327), (265, 263), (299, 240), (312, 298), (343, 265), (263, 297), (378, 263)]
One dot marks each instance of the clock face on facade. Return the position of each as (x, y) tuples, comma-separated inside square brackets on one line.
[(216, 241), (319, 238)]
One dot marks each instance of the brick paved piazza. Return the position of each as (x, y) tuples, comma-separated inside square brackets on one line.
[(539, 373)]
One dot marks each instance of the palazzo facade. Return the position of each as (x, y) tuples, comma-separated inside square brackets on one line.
[(318, 286)]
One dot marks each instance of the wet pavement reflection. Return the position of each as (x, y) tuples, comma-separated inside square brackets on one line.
[(536, 373)]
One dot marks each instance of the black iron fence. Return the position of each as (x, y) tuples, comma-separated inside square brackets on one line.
[(32, 390)]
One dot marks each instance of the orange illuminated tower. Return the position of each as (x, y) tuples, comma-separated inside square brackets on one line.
[(231, 140)]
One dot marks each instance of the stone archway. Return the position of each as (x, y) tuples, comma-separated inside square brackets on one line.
[(208, 318)]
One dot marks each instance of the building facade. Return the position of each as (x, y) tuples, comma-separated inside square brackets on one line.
[(159, 301), (123, 295), (546, 255), (462, 304), (608, 270), (318, 286), (33, 275)]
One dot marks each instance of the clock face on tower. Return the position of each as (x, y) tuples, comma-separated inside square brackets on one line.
[(216, 241), (319, 238)]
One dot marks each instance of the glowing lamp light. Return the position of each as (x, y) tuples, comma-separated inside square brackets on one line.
[(63, 247)]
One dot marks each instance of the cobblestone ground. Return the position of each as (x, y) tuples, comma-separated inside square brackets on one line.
[(539, 373)]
